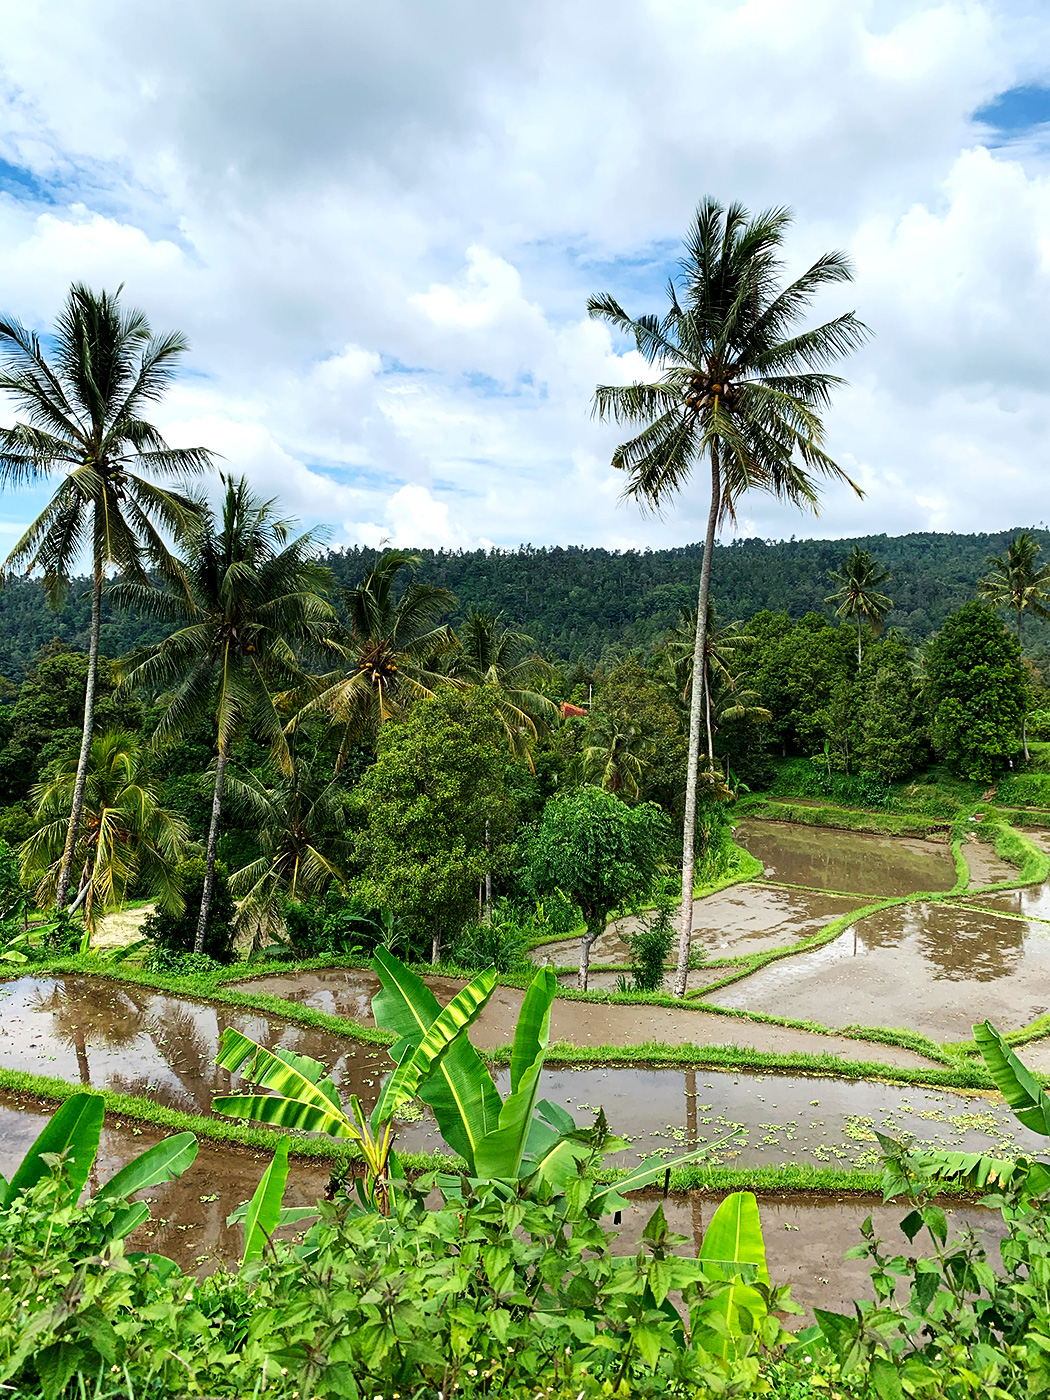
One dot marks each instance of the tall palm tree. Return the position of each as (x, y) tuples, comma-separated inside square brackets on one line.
[(83, 423), (740, 389), (492, 655), (1015, 582), (126, 837), (253, 597), (301, 824), (393, 651), (857, 594)]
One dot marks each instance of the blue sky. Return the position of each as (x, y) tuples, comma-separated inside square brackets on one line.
[(379, 226)]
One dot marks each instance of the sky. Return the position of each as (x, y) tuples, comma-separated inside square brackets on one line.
[(379, 226)]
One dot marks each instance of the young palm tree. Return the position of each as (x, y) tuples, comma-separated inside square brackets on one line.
[(611, 761), (393, 651), (125, 837), (82, 421), (253, 597), (857, 594), (492, 655), (301, 823), (1016, 583), (740, 389), (724, 648)]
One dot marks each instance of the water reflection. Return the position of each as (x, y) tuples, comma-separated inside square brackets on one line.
[(846, 860)]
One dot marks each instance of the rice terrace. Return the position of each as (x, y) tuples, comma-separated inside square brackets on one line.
[(435, 966)]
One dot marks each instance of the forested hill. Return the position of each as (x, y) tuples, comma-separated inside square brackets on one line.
[(583, 604)]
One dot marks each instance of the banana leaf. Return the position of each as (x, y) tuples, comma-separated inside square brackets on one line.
[(649, 1172), (462, 1011), (264, 1208), (460, 1090), (732, 1245), (302, 1095), (500, 1152), (164, 1162), (76, 1129), (1019, 1088)]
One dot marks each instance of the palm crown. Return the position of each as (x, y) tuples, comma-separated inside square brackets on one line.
[(494, 655), (857, 595), (1016, 582)]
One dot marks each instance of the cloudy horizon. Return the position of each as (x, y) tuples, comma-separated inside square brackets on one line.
[(379, 227)]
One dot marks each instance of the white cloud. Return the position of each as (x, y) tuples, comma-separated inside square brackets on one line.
[(379, 228)]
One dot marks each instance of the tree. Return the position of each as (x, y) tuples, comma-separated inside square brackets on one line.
[(436, 788), (394, 651), (252, 597), (1016, 583), (126, 838), (83, 422), (599, 852), (612, 762), (893, 738), (724, 647), (178, 933), (857, 594), (632, 697), (504, 661), (300, 821), (977, 692), (741, 389)]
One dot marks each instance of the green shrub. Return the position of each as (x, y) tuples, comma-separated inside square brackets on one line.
[(177, 932), (649, 947), (1024, 790), (340, 923), (502, 944), (174, 963)]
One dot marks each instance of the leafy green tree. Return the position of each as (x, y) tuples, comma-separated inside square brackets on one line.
[(741, 389), (857, 593), (798, 668), (1015, 582), (437, 813), (976, 688), (597, 851), (394, 652), (634, 697), (893, 739), (83, 422), (252, 597), (126, 838), (505, 661)]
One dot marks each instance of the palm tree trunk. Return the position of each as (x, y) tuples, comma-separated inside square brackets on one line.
[(213, 841), (710, 731), (1024, 720), (860, 653), (695, 722), (435, 942), (73, 830), (488, 875)]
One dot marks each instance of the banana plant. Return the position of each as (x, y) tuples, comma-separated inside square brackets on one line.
[(71, 1136), (302, 1096), (732, 1249)]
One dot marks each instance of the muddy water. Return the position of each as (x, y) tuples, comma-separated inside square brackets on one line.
[(742, 919), (933, 968), (164, 1049), (846, 860), (348, 992), (806, 1236), (986, 868)]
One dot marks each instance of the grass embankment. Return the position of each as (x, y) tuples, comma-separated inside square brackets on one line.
[(844, 818)]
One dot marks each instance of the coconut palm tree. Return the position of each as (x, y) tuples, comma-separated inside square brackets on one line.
[(725, 646), (611, 762), (1016, 582), (492, 655), (740, 389), (126, 838), (82, 422), (857, 594), (393, 652), (301, 824), (254, 596)]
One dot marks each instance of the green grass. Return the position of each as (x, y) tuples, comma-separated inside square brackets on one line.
[(843, 818)]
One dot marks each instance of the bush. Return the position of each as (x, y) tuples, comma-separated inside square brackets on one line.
[(175, 964), (649, 947), (503, 944), (177, 932)]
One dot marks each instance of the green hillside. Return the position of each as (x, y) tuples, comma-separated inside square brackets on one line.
[(586, 604)]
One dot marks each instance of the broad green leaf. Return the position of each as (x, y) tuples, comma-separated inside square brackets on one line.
[(76, 1128), (499, 1153), (164, 1162), (652, 1171), (462, 1011), (1019, 1088), (127, 1220), (734, 1235), (290, 1215), (285, 1113), (460, 1090), (294, 1076), (264, 1208), (532, 1033)]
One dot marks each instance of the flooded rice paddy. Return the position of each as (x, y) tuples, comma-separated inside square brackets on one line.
[(933, 968), (348, 991), (163, 1048), (852, 861), (806, 1235)]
